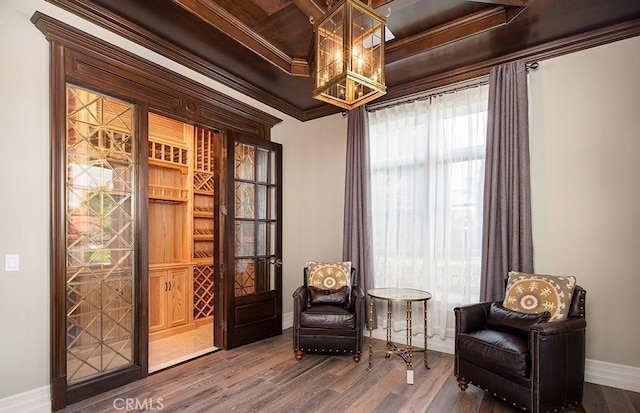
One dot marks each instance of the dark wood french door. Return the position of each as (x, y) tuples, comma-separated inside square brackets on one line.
[(253, 276), (100, 98)]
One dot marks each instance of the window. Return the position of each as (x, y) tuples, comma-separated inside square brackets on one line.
[(427, 177)]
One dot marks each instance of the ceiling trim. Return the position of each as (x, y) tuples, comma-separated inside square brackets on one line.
[(446, 33), (544, 51), (106, 19), (224, 21), (190, 100)]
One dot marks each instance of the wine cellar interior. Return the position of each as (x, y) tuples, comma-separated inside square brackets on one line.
[(184, 178)]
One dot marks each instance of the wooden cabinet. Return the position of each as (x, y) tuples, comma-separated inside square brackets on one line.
[(183, 165), (170, 221), (169, 298)]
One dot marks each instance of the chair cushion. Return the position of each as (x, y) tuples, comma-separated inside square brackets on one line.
[(495, 350), (328, 316), (500, 318), (339, 297), (535, 293)]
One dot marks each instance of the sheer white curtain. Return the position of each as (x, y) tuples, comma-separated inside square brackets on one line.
[(427, 171)]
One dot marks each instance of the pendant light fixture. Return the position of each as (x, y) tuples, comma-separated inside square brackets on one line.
[(349, 58)]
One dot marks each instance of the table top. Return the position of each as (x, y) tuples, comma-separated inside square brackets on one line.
[(399, 294)]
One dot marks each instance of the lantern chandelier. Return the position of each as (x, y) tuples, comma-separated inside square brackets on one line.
[(349, 58)]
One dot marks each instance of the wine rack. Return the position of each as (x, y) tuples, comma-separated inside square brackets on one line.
[(202, 291)]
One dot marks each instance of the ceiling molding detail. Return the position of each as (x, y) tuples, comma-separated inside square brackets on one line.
[(462, 28), (106, 19), (545, 51), (220, 18)]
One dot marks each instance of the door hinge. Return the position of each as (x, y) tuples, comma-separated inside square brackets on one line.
[(223, 210), (223, 270)]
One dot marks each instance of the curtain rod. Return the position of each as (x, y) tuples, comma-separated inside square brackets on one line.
[(480, 81)]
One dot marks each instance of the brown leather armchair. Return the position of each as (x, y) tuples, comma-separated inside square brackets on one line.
[(535, 366), (323, 326)]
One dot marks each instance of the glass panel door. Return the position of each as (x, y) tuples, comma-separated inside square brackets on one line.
[(99, 235), (255, 305)]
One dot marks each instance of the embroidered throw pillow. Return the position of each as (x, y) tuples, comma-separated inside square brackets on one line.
[(330, 276), (536, 293)]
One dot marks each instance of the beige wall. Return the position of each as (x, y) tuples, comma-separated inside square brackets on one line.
[(570, 236), (24, 188), (313, 154), (313, 198), (585, 166)]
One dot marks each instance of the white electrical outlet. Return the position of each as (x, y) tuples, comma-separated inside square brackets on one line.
[(12, 262)]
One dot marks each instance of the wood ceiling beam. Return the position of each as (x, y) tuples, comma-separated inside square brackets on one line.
[(211, 13), (449, 32)]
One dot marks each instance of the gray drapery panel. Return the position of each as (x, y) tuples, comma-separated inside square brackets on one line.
[(356, 236), (507, 243)]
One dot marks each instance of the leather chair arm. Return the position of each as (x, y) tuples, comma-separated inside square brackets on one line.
[(356, 294), (559, 327), (358, 301), (300, 292), (299, 304), (557, 352), (471, 317)]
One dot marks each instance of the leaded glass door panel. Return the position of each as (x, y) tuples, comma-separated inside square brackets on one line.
[(99, 198), (254, 275)]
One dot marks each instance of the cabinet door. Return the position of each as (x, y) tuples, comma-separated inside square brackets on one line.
[(178, 296), (157, 300)]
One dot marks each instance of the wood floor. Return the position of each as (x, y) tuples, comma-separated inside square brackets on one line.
[(265, 377)]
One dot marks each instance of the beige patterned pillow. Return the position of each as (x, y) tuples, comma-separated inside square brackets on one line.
[(536, 293), (329, 275)]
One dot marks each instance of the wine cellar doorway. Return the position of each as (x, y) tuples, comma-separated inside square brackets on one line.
[(185, 176), (142, 215)]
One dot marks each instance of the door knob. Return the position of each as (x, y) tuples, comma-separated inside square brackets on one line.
[(276, 262)]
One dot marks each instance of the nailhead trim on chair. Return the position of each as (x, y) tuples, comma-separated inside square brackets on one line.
[(330, 350), (513, 403)]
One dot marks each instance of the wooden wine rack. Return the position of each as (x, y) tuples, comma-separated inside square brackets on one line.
[(169, 153), (167, 193), (204, 167), (203, 183), (202, 291), (206, 150)]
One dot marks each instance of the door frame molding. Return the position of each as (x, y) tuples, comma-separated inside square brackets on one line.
[(86, 61)]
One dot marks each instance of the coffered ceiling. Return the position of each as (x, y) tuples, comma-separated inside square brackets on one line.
[(263, 48)]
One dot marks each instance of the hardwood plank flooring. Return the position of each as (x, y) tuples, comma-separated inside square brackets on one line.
[(265, 377)]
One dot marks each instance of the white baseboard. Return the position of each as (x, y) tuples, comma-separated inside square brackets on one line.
[(287, 320), (598, 372), (32, 401), (612, 375)]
